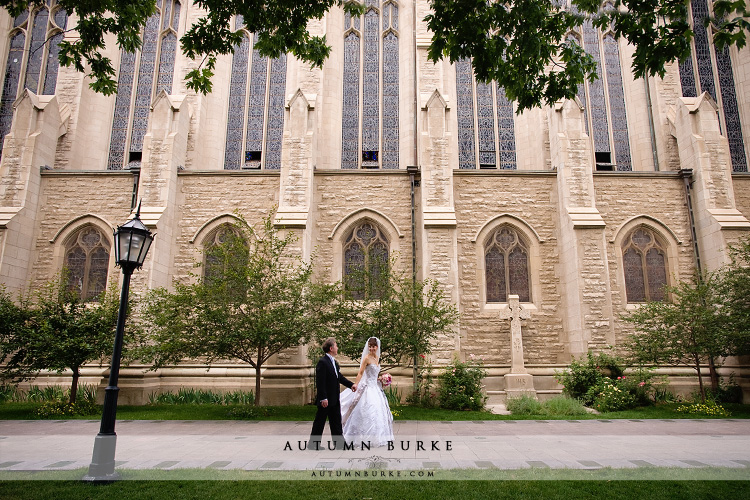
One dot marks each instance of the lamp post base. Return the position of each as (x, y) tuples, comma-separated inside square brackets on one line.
[(102, 467)]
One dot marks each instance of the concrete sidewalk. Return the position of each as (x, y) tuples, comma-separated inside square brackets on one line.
[(510, 445)]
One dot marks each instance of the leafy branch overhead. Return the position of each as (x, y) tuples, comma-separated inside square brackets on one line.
[(524, 45)]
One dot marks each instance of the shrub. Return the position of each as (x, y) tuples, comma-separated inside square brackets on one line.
[(523, 405), (609, 396), (423, 395), (191, 396), (582, 375), (54, 409), (461, 386), (710, 409), (562, 405), (727, 392), (393, 396)]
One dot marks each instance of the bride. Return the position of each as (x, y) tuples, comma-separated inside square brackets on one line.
[(365, 413)]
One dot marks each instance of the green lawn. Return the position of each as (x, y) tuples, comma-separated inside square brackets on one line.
[(25, 411), (375, 489)]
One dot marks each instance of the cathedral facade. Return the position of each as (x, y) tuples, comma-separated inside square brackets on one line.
[(583, 210)]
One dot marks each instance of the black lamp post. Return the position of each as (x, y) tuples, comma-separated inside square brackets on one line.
[(132, 241)]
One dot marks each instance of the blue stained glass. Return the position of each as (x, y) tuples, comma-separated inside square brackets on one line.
[(702, 48), (371, 91), (256, 108), (687, 78), (166, 62), (597, 104), (581, 89), (50, 73), (485, 126), (617, 104), (465, 114), (236, 116), (176, 16), (390, 101), (36, 50), (275, 121), (350, 118), (61, 18), (122, 111), (506, 131), (731, 113), (10, 83), (20, 19), (167, 8), (144, 89)]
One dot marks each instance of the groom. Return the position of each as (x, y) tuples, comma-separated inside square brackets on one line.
[(327, 378)]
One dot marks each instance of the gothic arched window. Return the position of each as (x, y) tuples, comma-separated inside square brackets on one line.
[(154, 67), (32, 57), (645, 263), (87, 263), (365, 261), (479, 142), (506, 266), (604, 100), (705, 56), (224, 249), (253, 105), (370, 124)]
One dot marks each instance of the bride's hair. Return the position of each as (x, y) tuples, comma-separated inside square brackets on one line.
[(372, 341)]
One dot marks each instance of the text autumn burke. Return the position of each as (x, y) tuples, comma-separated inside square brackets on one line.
[(419, 445)]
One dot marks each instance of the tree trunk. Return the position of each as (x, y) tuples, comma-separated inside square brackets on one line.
[(257, 384), (700, 379), (74, 385)]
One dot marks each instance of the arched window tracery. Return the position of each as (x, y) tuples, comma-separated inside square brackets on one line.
[(87, 263), (506, 265)]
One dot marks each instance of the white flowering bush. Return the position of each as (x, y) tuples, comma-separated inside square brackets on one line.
[(609, 395)]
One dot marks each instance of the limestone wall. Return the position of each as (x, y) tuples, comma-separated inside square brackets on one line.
[(531, 198), (632, 198)]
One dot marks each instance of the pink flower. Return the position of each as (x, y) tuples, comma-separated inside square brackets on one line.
[(386, 379), (421, 356), (642, 384)]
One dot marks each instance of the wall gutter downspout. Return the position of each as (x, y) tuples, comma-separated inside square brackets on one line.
[(687, 176)]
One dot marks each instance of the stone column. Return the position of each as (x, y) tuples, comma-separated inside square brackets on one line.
[(38, 122), (438, 255), (164, 153), (584, 274), (705, 150)]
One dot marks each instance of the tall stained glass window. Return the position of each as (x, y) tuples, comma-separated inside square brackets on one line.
[(714, 71), (486, 127), (604, 100), (256, 98), (365, 261), (32, 61), (87, 263), (142, 76), (506, 266), (370, 108), (645, 264)]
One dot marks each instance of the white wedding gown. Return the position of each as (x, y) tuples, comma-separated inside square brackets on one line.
[(365, 414)]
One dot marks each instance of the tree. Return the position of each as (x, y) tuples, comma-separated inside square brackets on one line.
[(522, 44), (261, 302), (57, 331), (734, 291), (406, 314), (690, 329)]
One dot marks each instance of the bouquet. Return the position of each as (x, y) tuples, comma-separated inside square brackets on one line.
[(386, 379)]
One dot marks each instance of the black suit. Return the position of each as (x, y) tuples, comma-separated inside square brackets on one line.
[(328, 388)]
